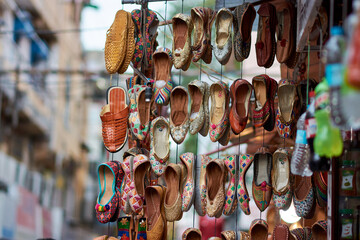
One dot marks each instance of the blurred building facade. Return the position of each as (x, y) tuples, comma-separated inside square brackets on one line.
[(43, 122)]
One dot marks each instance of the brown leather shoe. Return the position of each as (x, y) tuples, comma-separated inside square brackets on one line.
[(282, 232), (173, 200), (215, 187), (114, 117), (284, 32), (259, 230), (261, 186), (240, 93), (156, 228), (265, 44)]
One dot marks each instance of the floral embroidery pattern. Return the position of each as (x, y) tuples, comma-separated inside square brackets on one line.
[(303, 208), (188, 193)]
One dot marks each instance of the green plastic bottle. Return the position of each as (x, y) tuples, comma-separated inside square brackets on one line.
[(328, 141)]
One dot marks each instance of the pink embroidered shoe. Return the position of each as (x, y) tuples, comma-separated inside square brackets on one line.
[(127, 187), (243, 196), (230, 198), (140, 167), (163, 85), (188, 159), (281, 178), (219, 112), (285, 114), (107, 202)]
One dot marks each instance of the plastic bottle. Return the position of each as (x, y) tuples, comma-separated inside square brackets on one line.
[(328, 141), (316, 163), (334, 71), (299, 161)]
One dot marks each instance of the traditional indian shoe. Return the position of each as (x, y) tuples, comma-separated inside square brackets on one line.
[(223, 40), (285, 37), (319, 230), (244, 16), (156, 225), (188, 159), (285, 114), (140, 168), (202, 19), (215, 187), (282, 231), (116, 42), (320, 182), (281, 179), (127, 187), (144, 44), (125, 226), (182, 29), (163, 85), (173, 201), (192, 234), (243, 196), (301, 234), (228, 235), (304, 200), (265, 90), (140, 229), (219, 113), (261, 186), (243, 236), (258, 230), (200, 186), (114, 117), (130, 45), (197, 91), (265, 43), (240, 93), (205, 129), (159, 133), (179, 116), (231, 196), (139, 117), (107, 202), (160, 147)]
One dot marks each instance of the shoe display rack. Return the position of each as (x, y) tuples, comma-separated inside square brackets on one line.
[(311, 153)]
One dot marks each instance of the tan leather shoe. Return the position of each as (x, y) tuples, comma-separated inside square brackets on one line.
[(182, 28), (282, 232), (156, 228), (173, 200), (215, 188)]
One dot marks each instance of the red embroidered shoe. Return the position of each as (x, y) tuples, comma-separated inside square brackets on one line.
[(265, 90)]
